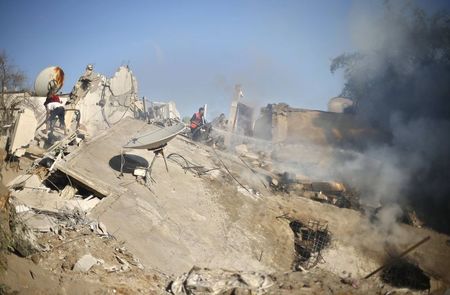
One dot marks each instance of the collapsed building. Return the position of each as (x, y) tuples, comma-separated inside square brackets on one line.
[(184, 217)]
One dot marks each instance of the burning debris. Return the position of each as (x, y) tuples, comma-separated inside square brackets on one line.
[(403, 274)]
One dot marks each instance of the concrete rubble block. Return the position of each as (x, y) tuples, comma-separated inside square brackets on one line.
[(252, 156), (309, 194), (99, 228), (274, 182), (37, 199), (23, 132), (26, 181), (22, 208), (36, 150), (321, 197), (85, 263), (25, 241), (208, 281), (241, 149), (113, 268), (68, 192), (332, 186), (39, 222), (83, 204), (124, 264)]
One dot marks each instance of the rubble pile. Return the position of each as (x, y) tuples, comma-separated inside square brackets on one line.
[(206, 281), (89, 207)]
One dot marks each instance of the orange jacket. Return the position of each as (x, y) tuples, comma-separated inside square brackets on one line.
[(196, 120)]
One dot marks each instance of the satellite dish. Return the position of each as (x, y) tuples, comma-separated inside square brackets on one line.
[(51, 77), (155, 139)]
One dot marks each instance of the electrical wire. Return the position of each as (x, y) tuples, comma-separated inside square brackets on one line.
[(188, 165)]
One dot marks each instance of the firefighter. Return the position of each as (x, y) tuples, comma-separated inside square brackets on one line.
[(197, 121)]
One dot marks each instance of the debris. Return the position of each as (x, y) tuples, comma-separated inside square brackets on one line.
[(52, 201), (410, 217), (274, 182), (403, 274), (99, 228), (85, 263), (328, 187), (125, 265), (241, 149), (253, 171), (162, 113), (140, 172), (350, 281), (424, 240), (68, 192), (282, 182), (22, 208), (207, 281), (23, 132), (113, 268), (229, 173), (249, 192), (310, 239), (40, 222), (25, 181), (83, 204), (320, 197)]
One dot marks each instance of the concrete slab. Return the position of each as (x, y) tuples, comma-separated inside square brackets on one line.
[(184, 220), (23, 133), (52, 201)]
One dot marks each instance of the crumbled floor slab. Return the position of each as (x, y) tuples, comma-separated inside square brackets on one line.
[(203, 213), (52, 201), (181, 215), (206, 220)]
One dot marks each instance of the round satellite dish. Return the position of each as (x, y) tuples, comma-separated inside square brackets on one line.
[(47, 78), (155, 139)]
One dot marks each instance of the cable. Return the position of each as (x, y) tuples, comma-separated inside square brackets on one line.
[(232, 176), (188, 165)]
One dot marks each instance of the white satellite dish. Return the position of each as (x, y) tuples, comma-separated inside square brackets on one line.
[(155, 139), (47, 78)]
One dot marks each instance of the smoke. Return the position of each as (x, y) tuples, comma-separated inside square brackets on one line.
[(399, 80)]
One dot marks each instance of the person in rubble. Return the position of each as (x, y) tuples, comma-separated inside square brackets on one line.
[(197, 121), (55, 111)]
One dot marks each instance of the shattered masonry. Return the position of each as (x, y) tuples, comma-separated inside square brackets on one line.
[(220, 215)]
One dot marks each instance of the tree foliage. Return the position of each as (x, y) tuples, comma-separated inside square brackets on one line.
[(405, 69), (11, 79)]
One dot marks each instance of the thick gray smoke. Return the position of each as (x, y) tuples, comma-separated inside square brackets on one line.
[(400, 81)]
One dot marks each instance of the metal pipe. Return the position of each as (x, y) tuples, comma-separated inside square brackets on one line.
[(400, 256)]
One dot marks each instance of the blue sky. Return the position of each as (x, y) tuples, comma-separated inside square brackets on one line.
[(192, 52)]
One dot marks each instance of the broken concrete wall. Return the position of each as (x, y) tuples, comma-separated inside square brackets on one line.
[(160, 111), (244, 119), (281, 123), (108, 101), (23, 132)]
